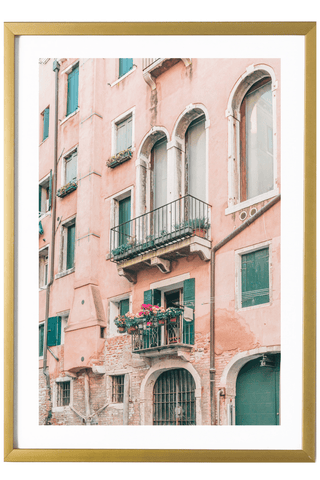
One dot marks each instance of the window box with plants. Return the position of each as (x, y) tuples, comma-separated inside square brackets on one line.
[(66, 189), (200, 226), (150, 316), (119, 158)]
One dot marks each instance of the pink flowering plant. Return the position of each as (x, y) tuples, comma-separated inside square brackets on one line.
[(150, 315)]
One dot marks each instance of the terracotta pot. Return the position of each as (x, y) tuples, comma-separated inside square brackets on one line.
[(173, 320), (121, 329), (132, 330), (199, 232), (161, 322)]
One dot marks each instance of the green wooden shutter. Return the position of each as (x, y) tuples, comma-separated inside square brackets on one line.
[(73, 87), (70, 246), (255, 278), (124, 306), (41, 338), (124, 134), (189, 301), (40, 195), (50, 190), (152, 297), (54, 331), (147, 297), (125, 64), (45, 124), (124, 216)]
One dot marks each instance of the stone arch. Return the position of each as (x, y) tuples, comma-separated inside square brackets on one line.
[(252, 75), (147, 385), (191, 112), (230, 373)]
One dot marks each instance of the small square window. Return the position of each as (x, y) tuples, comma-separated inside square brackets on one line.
[(255, 288), (63, 394), (124, 134), (117, 388)]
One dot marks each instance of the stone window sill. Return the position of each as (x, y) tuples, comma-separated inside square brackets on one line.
[(63, 274), (69, 116), (251, 201), (123, 76)]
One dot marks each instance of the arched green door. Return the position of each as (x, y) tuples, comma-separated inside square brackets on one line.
[(257, 393)]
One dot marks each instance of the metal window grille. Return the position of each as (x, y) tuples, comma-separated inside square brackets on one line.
[(63, 394), (174, 398), (117, 388)]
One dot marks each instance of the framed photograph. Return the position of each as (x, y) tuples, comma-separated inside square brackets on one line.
[(168, 279)]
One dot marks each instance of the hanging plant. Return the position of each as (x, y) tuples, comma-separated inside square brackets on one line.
[(68, 188)]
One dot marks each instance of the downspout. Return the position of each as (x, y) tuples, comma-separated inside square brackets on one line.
[(219, 245), (56, 68)]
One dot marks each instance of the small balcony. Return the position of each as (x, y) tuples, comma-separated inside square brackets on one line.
[(154, 67), (174, 337), (167, 233)]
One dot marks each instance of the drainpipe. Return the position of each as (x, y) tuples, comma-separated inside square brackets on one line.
[(56, 68), (220, 392), (86, 396), (219, 245)]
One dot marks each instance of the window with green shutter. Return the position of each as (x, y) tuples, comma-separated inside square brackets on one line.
[(125, 65), (71, 162), (71, 233), (41, 337), (124, 220), (124, 306), (124, 134), (45, 124), (54, 331), (255, 278), (45, 195), (73, 88), (189, 301)]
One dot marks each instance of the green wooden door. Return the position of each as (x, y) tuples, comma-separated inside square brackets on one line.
[(257, 393), (124, 216)]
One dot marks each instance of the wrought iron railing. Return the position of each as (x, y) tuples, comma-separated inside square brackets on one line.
[(165, 225), (172, 332)]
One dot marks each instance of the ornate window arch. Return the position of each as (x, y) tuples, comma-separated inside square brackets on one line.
[(252, 134)]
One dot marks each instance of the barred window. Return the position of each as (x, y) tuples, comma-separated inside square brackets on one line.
[(63, 394), (117, 388)]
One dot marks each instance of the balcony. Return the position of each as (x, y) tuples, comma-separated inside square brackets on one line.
[(172, 338), (167, 233)]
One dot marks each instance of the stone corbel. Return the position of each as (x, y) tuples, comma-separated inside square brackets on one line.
[(150, 80), (186, 61), (98, 369), (163, 265), (130, 276), (203, 252)]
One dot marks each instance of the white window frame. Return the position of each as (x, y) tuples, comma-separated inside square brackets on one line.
[(114, 310), (66, 72), (170, 284), (63, 248), (58, 380), (70, 152), (43, 184), (238, 286), (42, 264), (114, 206), (114, 124), (233, 116), (64, 323)]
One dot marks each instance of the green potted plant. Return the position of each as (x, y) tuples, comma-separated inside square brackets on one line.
[(120, 322), (66, 189), (119, 158)]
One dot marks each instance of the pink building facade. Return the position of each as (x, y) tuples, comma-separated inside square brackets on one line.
[(159, 183)]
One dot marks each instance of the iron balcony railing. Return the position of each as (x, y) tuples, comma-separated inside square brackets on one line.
[(173, 332), (165, 225)]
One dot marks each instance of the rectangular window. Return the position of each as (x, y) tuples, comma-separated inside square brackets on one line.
[(67, 247), (71, 162), (71, 232), (41, 337), (124, 134), (45, 115), (54, 331), (63, 394), (125, 65), (73, 87), (124, 220), (255, 278), (45, 195), (124, 306), (43, 267), (117, 388)]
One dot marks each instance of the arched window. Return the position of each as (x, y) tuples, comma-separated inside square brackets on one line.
[(256, 141), (196, 175), (174, 398), (252, 134), (159, 174)]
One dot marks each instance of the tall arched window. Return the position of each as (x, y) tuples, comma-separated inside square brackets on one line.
[(159, 174), (196, 176), (256, 141)]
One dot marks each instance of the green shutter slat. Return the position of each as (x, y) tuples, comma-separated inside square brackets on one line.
[(70, 246), (124, 306), (189, 301), (52, 331), (157, 297), (147, 297), (255, 278), (45, 124), (50, 189), (58, 331), (40, 194), (124, 216), (73, 91), (41, 338), (125, 64)]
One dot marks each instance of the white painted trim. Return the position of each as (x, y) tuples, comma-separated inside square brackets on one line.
[(70, 67), (69, 116), (170, 281), (131, 112), (113, 304), (238, 286), (67, 378), (252, 201), (123, 76)]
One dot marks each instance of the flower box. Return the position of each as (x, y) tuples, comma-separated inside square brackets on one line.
[(119, 158), (66, 189)]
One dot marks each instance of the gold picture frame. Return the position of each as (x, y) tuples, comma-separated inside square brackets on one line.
[(307, 453)]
